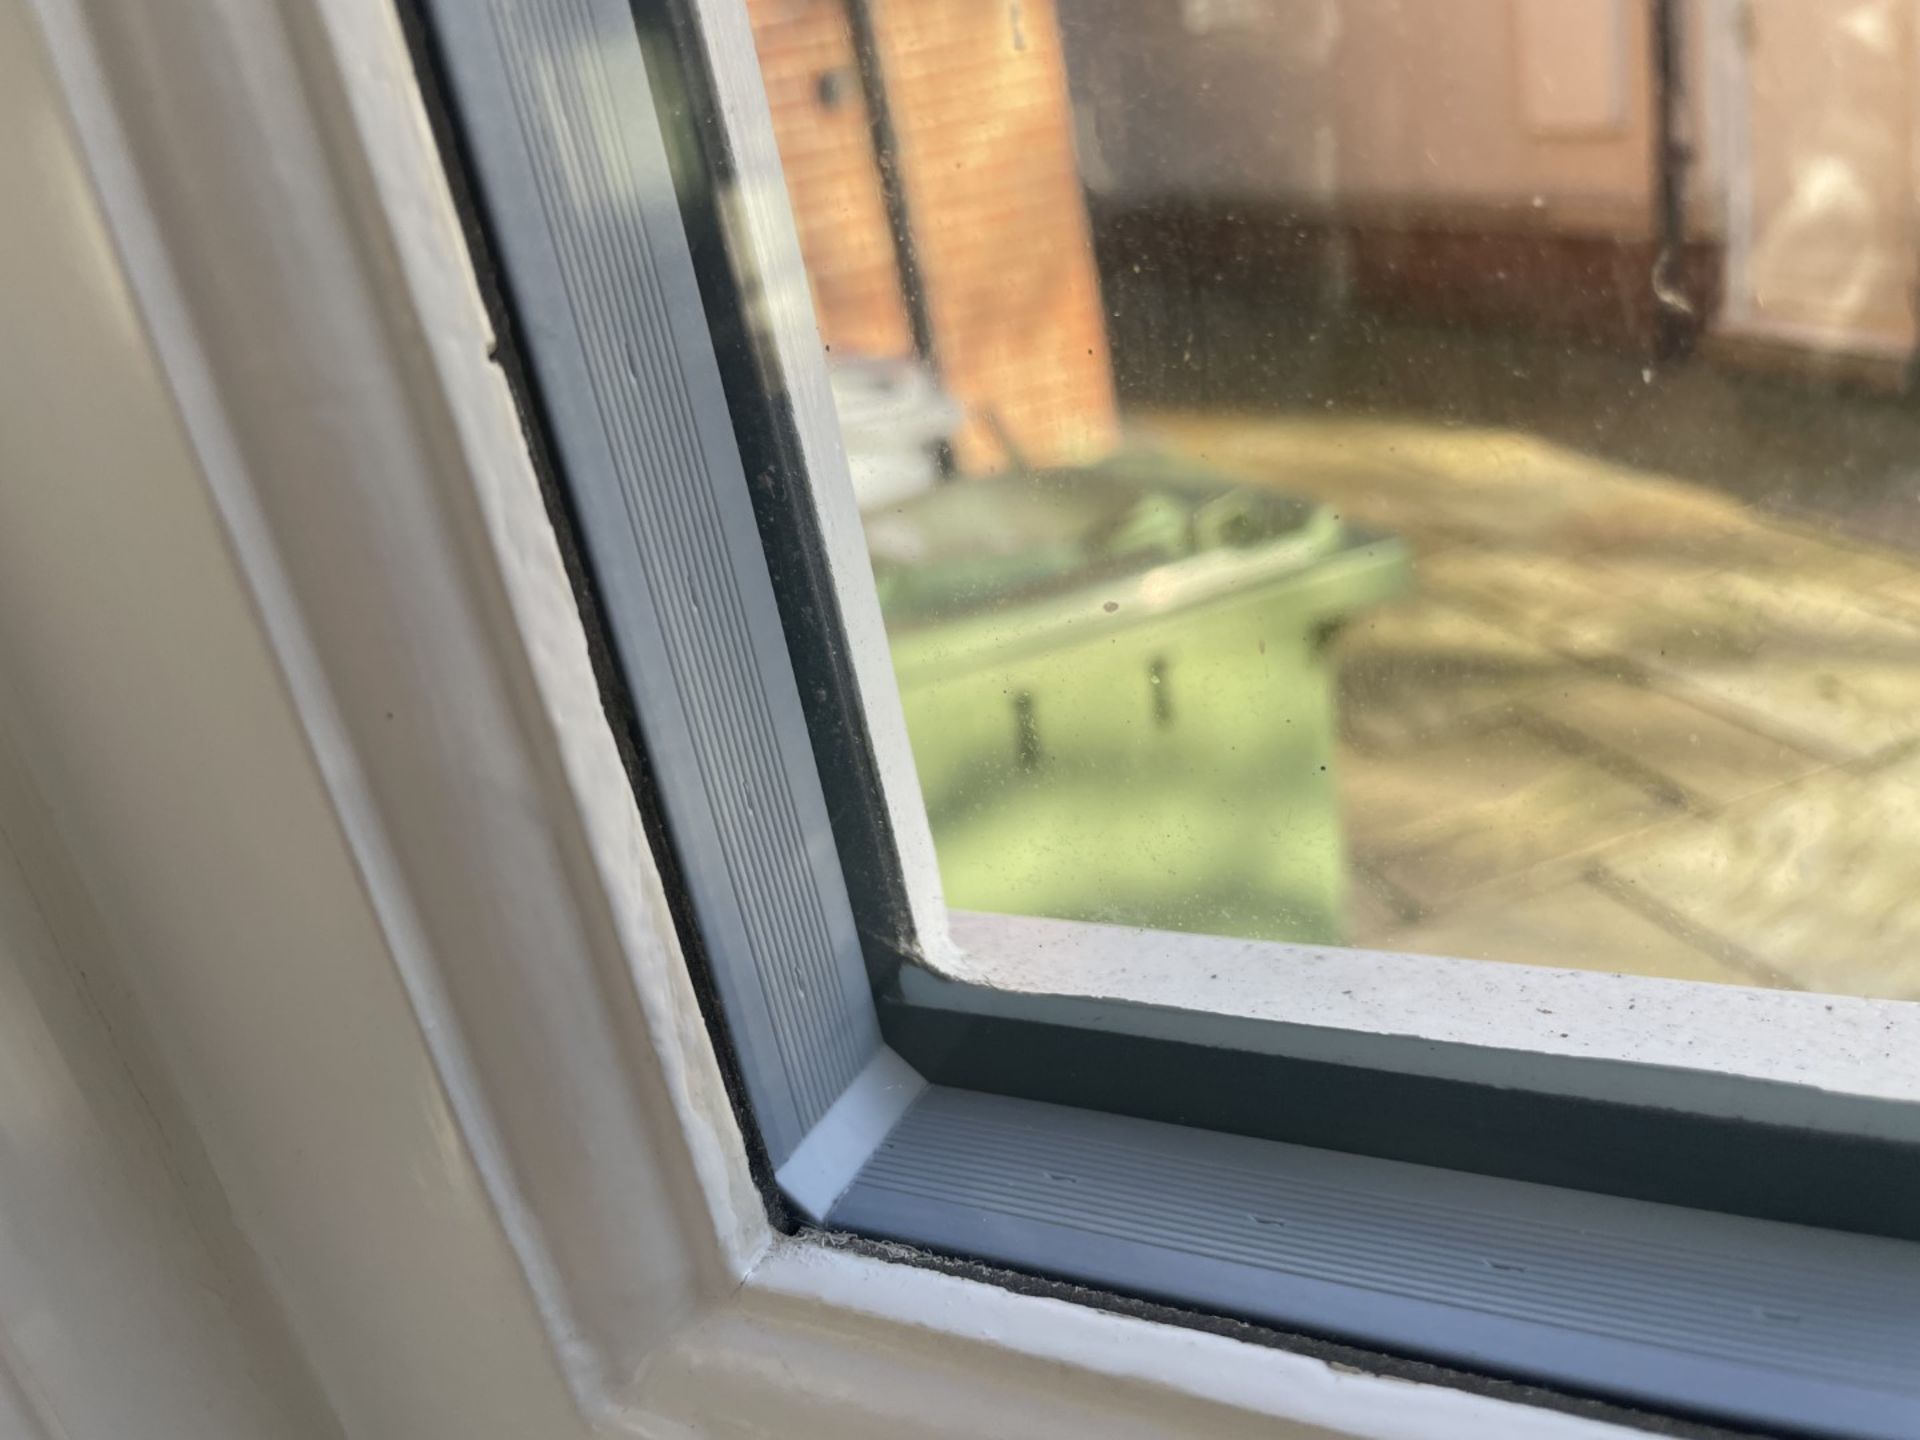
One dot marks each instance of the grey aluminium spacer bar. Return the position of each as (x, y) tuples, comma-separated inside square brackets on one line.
[(557, 111)]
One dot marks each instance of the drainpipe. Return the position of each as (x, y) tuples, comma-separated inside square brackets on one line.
[(893, 188), (1676, 317)]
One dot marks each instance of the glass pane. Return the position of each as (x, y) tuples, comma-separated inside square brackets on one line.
[(1441, 478)]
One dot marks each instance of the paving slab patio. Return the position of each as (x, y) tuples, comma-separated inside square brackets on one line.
[(1813, 884), (1622, 721)]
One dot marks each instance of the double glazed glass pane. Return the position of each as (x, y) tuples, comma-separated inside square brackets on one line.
[(1441, 478)]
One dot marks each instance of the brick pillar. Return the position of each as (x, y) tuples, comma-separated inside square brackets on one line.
[(978, 95), (820, 123)]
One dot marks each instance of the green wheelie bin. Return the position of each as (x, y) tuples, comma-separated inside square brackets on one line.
[(1119, 683)]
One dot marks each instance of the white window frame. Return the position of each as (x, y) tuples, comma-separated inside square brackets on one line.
[(1033, 1131), (282, 220)]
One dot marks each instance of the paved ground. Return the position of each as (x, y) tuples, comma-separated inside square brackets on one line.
[(1625, 720)]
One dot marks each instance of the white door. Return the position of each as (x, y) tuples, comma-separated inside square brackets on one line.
[(1821, 240)]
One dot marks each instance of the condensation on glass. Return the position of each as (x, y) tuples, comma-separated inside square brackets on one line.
[(1439, 478)]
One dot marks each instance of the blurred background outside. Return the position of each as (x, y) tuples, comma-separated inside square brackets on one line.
[(1439, 477)]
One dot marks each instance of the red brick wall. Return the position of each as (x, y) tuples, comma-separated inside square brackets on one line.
[(827, 152), (978, 93)]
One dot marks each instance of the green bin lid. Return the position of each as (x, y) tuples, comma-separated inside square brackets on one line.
[(978, 546)]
